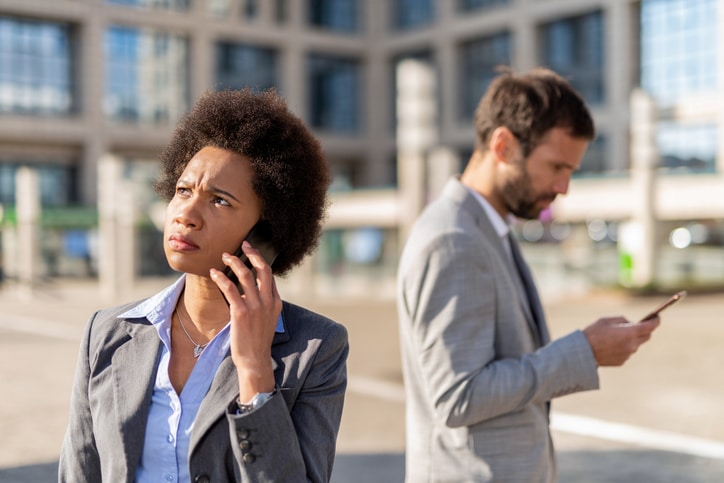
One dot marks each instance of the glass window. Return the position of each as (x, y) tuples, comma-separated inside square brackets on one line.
[(146, 75), (251, 9), (339, 15), (242, 65), (467, 5), (573, 47), (335, 93), (687, 147), (678, 48), (479, 58), (160, 4), (35, 67), (409, 14), (57, 183)]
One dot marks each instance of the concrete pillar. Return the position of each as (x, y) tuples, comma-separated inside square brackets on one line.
[(416, 133), (28, 215), (637, 238), (442, 163), (116, 261)]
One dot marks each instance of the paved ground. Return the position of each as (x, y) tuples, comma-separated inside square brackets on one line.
[(656, 420)]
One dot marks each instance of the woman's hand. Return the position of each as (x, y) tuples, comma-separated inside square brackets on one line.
[(254, 316)]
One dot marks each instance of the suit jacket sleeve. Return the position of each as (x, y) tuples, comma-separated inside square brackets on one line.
[(452, 299), (293, 436)]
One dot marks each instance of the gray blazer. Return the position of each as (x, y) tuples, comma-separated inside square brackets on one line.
[(479, 371), (291, 438)]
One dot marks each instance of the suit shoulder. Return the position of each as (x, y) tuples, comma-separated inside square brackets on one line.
[(299, 319)]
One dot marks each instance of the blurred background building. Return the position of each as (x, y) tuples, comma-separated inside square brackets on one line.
[(86, 80)]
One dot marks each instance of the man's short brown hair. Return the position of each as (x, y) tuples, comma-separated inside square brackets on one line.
[(530, 105)]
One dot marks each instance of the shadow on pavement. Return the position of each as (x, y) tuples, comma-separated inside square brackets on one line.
[(574, 467), (37, 473), (633, 465), (364, 468)]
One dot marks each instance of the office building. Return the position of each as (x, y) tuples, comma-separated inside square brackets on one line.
[(80, 79)]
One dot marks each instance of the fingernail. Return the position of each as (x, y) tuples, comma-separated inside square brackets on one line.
[(225, 257), (246, 244)]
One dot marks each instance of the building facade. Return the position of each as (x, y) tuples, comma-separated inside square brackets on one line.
[(81, 79)]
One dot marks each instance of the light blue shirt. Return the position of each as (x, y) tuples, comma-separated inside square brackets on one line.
[(171, 416)]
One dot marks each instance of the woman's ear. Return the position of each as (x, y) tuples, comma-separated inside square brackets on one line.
[(504, 145)]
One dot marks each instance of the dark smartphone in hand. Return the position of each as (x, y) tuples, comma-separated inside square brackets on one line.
[(260, 238)]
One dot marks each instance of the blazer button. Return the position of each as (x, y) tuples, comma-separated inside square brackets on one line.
[(243, 433), (248, 458), (245, 445), (202, 479)]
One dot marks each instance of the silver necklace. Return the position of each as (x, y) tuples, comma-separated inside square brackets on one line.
[(198, 348)]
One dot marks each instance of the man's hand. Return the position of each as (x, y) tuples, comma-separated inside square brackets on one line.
[(614, 339)]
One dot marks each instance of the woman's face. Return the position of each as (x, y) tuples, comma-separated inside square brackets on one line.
[(212, 210)]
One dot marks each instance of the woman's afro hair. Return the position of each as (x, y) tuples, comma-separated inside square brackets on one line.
[(291, 176)]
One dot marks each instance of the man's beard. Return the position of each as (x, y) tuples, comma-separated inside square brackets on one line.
[(520, 200)]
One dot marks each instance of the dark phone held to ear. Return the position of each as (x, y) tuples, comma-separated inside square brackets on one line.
[(259, 237)]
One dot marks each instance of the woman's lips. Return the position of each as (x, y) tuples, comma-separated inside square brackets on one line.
[(181, 243)]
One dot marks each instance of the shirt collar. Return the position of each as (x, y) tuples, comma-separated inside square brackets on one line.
[(500, 225), (160, 307)]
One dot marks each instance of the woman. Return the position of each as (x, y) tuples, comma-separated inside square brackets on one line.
[(201, 382)]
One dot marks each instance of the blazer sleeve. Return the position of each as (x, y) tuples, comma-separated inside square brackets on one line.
[(451, 302), (79, 459), (292, 438)]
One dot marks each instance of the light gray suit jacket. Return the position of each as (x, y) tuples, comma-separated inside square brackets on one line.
[(479, 372), (290, 438)]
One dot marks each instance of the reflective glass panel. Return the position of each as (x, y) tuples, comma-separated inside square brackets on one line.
[(479, 59), (57, 183), (573, 47), (687, 147), (146, 75), (36, 67), (242, 65), (409, 14), (678, 48), (467, 5), (335, 93), (338, 15)]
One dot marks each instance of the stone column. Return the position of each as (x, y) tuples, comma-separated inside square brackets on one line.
[(637, 238), (416, 134), (28, 215), (116, 260)]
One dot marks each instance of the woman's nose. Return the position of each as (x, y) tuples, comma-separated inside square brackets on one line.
[(186, 212)]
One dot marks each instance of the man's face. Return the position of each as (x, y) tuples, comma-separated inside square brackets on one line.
[(534, 182)]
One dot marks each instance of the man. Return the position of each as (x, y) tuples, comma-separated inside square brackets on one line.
[(479, 366)]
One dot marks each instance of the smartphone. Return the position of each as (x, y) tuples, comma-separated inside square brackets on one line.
[(671, 301), (260, 238)]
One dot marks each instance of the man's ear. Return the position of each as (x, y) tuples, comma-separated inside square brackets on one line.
[(503, 144)]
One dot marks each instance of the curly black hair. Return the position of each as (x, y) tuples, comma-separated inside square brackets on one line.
[(291, 175)]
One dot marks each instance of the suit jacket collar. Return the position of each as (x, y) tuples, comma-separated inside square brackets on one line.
[(458, 193), (135, 364)]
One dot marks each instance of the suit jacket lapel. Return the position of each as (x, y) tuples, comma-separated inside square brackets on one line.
[(224, 388), (134, 370), (456, 191)]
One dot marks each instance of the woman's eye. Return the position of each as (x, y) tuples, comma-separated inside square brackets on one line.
[(180, 190), (221, 201)]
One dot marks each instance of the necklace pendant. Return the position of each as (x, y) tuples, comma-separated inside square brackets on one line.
[(198, 350)]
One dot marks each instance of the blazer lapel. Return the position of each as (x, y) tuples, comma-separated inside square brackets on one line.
[(134, 370), (224, 388), (456, 191)]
